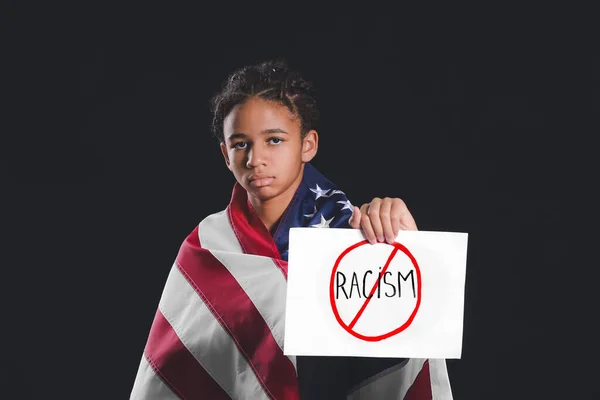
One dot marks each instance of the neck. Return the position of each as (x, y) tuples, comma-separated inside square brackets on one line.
[(270, 210)]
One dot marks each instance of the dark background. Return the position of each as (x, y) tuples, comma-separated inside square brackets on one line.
[(465, 113)]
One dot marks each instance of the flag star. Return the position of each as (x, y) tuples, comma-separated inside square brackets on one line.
[(311, 215), (347, 205), (320, 192), (324, 223), (337, 192)]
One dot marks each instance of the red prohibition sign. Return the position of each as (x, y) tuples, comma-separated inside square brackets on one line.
[(350, 328)]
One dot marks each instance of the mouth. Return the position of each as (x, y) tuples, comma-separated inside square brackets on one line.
[(260, 180)]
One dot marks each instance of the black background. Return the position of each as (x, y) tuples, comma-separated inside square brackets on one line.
[(465, 113)]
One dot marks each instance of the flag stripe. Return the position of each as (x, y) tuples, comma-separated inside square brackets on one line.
[(176, 366), (264, 284), (149, 386), (440, 381), (392, 383), (253, 236), (205, 338), (240, 318), (218, 232), (215, 233), (421, 387)]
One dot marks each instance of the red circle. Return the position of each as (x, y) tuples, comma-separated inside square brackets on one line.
[(385, 335)]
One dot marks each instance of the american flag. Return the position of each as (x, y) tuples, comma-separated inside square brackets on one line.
[(218, 330)]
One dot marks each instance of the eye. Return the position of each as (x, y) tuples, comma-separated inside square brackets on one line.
[(240, 145), (275, 140)]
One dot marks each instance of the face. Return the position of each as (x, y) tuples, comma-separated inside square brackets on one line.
[(264, 149)]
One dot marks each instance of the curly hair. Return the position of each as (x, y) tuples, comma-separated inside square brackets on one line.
[(270, 80)]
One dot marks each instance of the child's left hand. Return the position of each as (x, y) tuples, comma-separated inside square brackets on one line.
[(382, 219)]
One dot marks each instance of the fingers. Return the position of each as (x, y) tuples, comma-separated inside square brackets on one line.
[(395, 214), (383, 219), (401, 217), (365, 224), (354, 220), (386, 221), (373, 212)]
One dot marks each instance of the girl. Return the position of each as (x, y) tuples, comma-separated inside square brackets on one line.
[(218, 330)]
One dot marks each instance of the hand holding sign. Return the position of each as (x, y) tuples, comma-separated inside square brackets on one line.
[(346, 297), (383, 219)]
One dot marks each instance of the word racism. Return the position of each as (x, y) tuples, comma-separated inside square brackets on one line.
[(393, 285)]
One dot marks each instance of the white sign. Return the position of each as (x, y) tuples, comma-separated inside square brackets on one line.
[(347, 297)]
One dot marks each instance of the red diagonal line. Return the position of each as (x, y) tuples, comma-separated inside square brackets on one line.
[(370, 296)]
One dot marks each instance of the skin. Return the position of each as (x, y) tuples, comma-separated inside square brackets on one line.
[(382, 219), (264, 150), (263, 139)]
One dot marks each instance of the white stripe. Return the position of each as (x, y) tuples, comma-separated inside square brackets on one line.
[(206, 339), (391, 384), (215, 233), (264, 283), (440, 382), (149, 386)]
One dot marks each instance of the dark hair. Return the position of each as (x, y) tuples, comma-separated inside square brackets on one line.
[(270, 80)]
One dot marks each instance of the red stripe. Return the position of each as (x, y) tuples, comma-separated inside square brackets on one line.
[(232, 307), (421, 387), (283, 266), (253, 235), (176, 366)]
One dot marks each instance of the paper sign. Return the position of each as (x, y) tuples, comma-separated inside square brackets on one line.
[(347, 297)]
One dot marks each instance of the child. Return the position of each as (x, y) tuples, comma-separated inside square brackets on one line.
[(218, 330)]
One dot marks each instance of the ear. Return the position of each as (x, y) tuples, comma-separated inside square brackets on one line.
[(310, 145), (225, 155)]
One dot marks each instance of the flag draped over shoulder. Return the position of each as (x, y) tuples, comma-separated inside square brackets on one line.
[(218, 331)]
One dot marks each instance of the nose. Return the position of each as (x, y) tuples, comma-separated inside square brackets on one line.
[(256, 157)]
